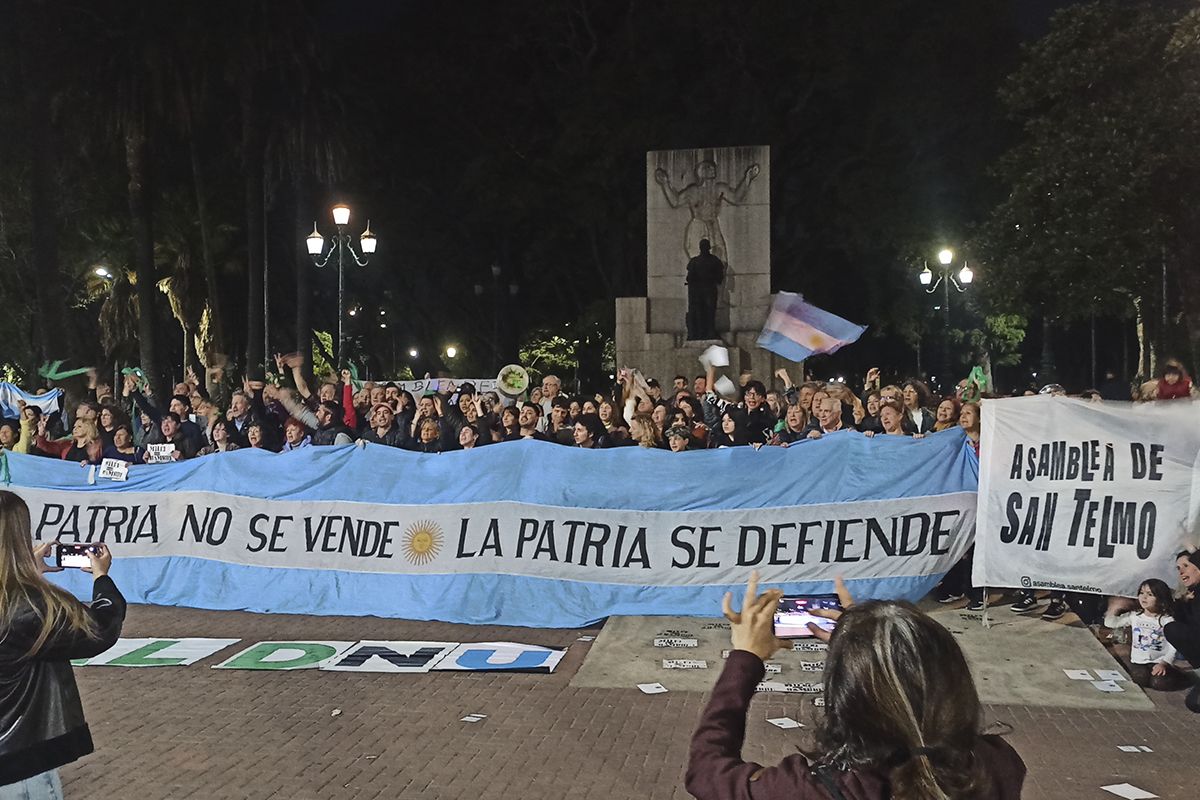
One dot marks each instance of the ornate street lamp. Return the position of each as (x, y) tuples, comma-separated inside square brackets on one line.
[(341, 243)]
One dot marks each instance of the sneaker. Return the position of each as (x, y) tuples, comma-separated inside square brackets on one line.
[(950, 598), (1026, 604), (977, 604), (1192, 701), (1056, 610)]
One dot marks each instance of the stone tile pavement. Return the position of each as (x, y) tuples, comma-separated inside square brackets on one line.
[(195, 732)]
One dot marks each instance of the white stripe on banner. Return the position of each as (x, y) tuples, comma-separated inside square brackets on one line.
[(903, 537), (1087, 497)]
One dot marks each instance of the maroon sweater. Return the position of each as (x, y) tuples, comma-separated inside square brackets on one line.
[(716, 770)]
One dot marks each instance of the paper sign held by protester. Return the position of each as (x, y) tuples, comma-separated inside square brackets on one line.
[(114, 469), (160, 453), (715, 356)]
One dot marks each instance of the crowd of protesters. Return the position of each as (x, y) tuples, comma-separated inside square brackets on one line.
[(203, 418)]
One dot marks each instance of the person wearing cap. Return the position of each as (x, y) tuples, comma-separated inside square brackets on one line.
[(1184, 632), (383, 428), (678, 437)]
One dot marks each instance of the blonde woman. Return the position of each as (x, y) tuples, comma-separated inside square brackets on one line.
[(642, 431), (83, 446), (43, 628)]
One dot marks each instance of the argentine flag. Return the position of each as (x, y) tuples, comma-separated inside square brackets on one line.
[(796, 329)]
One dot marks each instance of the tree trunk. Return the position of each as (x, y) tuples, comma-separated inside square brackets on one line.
[(216, 324), (1048, 368), (141, 218), (303, 268), (1145, 347), (252, 154), (53, 339)]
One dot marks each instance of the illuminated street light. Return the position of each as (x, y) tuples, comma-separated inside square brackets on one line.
[(451, 352), (946, 256)]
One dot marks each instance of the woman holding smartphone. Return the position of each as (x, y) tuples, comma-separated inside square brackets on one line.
[(43, 627), (902, 717)]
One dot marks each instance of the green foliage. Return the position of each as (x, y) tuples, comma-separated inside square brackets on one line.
[(547, 352), (997, 341), (322, 353), (1105, 113)]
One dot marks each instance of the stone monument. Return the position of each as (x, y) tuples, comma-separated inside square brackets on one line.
[(722, 195)]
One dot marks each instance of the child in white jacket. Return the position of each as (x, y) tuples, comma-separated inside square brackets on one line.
[(1151, 656)]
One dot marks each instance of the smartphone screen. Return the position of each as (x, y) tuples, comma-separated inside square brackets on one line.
[(73, 555), (792, 616)]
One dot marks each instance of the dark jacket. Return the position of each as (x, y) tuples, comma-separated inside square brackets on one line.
[(40, 711), (395, 437), (928, 418), (328, 435), (1184, 632), (716, 769), (193, 432), (759, 425)]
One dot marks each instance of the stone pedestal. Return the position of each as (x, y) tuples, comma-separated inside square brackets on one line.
[(723, 195)]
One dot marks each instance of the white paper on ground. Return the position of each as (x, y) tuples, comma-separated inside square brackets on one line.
[(652, 688), (789, 688), (1108, 686), (683, 663), (812, 666), (819, 702), (1129, 791), (474, 718), (586, 639), (773, 669), (785, 723), (1128, 748), (808, 647), (1111, 675), (1078, 674), (674, 641), (1146, 749)]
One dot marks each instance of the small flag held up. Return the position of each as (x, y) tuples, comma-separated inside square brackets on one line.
[(796, 329)]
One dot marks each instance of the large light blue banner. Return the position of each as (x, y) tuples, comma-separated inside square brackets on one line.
[(525, 533)]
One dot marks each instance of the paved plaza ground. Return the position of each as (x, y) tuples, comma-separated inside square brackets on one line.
[(195, 732)]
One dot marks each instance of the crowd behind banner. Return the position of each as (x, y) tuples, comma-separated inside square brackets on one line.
[(206, 417)]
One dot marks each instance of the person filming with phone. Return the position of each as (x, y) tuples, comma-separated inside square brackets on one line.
[(902, 717), (43, 627)]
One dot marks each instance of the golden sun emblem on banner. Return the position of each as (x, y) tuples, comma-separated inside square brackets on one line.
[(422, 541)]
